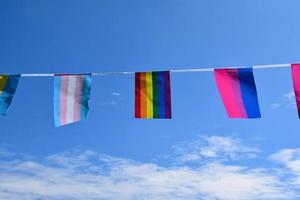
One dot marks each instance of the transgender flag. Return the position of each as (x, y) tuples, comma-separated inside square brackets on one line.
[(238, 91), (71, 98), (296, 84)]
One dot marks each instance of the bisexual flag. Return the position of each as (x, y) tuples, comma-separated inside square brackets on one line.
[(238, 92)]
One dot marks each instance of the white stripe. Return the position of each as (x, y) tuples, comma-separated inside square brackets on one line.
[(71, 98)]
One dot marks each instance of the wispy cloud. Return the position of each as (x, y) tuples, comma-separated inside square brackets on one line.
[(213, 147), (290, 158), (109, 103), (289, 98), (88, 175), (275, 105), (116, 94), (287, 101), (114, 101)]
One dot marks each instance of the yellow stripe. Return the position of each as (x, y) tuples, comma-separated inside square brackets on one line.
[(149, 92), (3, 80)]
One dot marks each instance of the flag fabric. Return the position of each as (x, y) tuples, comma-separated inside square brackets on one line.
[(238, 92), (71, 98), (152, 95), (8, 86), (296, 84)]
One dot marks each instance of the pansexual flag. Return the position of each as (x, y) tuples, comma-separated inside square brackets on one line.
[(296, 84), (238, 91), (71, 98), (8, 86), (152, 95)]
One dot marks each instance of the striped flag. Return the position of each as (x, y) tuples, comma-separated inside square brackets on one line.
[(152, 95), (71, 98), (8, 86), (238, 91), (296, 84)]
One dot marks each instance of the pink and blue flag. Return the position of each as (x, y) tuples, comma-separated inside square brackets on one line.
[(238, 92), (296, 84), (71, 98)]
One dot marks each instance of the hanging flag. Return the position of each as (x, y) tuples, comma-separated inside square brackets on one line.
[(238, 92), (8, 86), (296, 84), (152, 95), (71, 98)]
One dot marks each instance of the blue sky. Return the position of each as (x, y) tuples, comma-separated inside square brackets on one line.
[(200, 153)]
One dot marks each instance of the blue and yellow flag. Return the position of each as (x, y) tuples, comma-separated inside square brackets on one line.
[(8, 86)]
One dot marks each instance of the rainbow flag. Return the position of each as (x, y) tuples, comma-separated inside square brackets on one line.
[(71, 98), (152, 95), (238, 91), (296, 84)]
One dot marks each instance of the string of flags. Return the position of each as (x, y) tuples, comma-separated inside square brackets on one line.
[(236, 87)]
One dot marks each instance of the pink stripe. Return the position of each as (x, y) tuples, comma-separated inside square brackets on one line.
[(229, 87), (296, 83), (63, 99), (78, 97)]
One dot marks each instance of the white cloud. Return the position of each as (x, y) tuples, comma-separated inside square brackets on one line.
[(61, 177), (214, 147), (116, 94), (116, 99), (4, 153), (287, 100), (275, 105), (88, 175), (290, 158)]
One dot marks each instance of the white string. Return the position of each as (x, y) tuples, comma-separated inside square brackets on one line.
[(172, 71)]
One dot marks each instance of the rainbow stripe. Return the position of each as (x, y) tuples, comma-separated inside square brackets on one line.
[(238, 91), (8, 87), (152, 95), (71, 98), (296, 84)]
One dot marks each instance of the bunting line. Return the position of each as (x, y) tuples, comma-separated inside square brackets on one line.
[(236, 86), (211, 69)]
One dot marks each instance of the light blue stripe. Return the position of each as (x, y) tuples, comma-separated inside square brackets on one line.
[(85, 99), (56, 100)]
